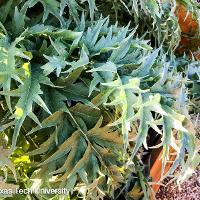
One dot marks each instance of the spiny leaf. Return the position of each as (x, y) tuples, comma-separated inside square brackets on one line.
[(123, 99), (107, 67), (88, 114), (55, 62), (147, 65), (19, 18), (92, 7), (84, 60), (8, 70), (92, 34), (5, 161), (109, 41), (50, 121), (100, 136), (65, 34), (4, 10), (29, 92), (77, 92), (122, 50), (73, 9), (145, 116), (60, 119), (50, 7)]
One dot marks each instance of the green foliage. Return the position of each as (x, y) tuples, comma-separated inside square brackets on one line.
[(76, 87)]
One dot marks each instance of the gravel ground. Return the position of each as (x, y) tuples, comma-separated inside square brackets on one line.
[(189, 190)]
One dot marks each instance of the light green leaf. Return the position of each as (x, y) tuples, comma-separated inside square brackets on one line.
[(107, 67), (55, 62)]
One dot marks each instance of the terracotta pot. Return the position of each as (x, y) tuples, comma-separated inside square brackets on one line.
[(187, 22), (190, 40), (189, 44), (156, 168)]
